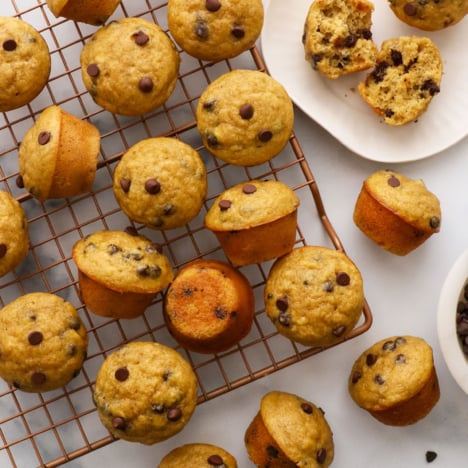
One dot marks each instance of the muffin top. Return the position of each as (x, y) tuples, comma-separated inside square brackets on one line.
[(198, 455), (390, 371)]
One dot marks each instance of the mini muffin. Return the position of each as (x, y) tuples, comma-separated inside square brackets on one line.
[(130, 66), (198, 456), (395, 380), (213, 29), (43, 342), (14, 233), (430, 15), (23, 53), (120, 274), (289, 431), (245, 117), (337, 37), (254, 221), (160, 182), (209, 307), (406, 77), (145, 392), (58, 155), (396, 212), (314, 295), (95, 12)]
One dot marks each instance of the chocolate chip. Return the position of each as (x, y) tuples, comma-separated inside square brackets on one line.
[(71, 350), (122, 374), (146, 85), (339, 330), (272, 451), (211, 140), (342, 278), (154, 247), (220, 313), (350, 40), (43, 138), (430, 456), (93, 70), (19, 182), (328, 286), (379, 379), (224, 205), (209, 105), (152, 186), (212, 5), (397, 58), (125, 184), (215, 460), (3, 250), (246, 111), (201, 29), (174, 414), (366, 34), (410, 9), (321, 456), (112, 249), (249, 189), (389, 113), (284, 319), (282, 303), (238, 31), (371, 359), (140, 38), (434, 222), (379, 72), (400, 359), (9, 45), (265, 135), (393, 181), (389, 346), (307, 408), (119, 423), (356, 376), (147, 271), (38, 378), (35, 338), (157, 408), (431, 86), (166, 376)]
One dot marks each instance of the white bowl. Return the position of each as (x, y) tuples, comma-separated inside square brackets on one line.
[(450, 345)]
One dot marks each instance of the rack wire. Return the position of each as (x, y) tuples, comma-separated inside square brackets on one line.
[(52, 428)]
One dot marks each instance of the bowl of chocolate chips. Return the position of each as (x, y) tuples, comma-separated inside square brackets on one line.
[(452, 321)]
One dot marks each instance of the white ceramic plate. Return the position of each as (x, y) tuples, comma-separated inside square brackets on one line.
[(456, 361), (336, 104)]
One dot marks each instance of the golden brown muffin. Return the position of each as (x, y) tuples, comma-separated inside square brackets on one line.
[(337, 37), (43, 342), (395, 380), (120, 274), (314, 295), (145, 392), (130, 66), (14, 233), (254, 221), (289, 432), (58, 155), (430, 15), (25, 54), (396, 212), (406, 77), (198, 455), (209, 307), (215, 29), (245, 117), (95, 12), (160, 182)]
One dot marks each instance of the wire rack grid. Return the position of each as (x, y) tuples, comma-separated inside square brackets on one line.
[(52, 428)]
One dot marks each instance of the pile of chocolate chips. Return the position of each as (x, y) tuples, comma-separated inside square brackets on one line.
[(462, 318)]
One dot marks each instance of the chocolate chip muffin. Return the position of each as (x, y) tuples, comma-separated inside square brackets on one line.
[(23, 53), (337, 37), (84, 11), (198, 455), (58, 155), (130, 66), (430, 15), (160, 182), (213, 29), (209, 307), (145, 392), (120, 274), (314, 295), (395, 380), (254, 221), (245, 117), (396, 212), (14, 233), (289, 431), (406, 77), (43, 342)]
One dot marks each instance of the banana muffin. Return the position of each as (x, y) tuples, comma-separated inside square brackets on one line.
[(314, 295), (198, 455), (213, 29), (43, 342), (395, 380), (145, 392), (130, 66), (23, 53), (396, 212), (95, 12), (245, 117)]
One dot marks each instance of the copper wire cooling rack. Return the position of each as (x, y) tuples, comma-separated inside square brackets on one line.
[(52, 428)]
